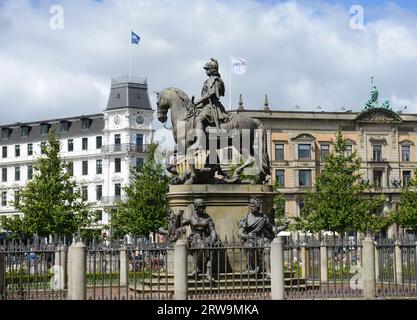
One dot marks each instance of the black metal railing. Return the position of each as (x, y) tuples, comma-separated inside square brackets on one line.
[(321, 268), (314, 268), (121, 271), (396, 268), (28, 270)]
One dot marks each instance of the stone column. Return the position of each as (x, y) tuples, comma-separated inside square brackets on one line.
[(124, 267), (324, 265), (60, 267), (359, 256), (376, 264), (180, 270), (304, 262), (398, 263), (368, 263), (277, 269), (77, 284)]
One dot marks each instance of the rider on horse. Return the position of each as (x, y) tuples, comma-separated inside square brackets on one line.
[(212, 110)]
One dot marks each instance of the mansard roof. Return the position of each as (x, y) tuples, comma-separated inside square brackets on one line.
[(75, 129), (129, 92)]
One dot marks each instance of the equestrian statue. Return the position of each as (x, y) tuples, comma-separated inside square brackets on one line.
[(201, 120)]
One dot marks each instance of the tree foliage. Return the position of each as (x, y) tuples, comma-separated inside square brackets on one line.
[(51, 202), (145, 208), (337, 203), (406, 215), (279, 203)]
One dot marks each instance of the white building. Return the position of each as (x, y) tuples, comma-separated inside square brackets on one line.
[(102, 147)]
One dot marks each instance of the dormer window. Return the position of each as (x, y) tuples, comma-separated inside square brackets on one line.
[(85, 123), (24, 131), (45, 128), (65, 125), (5, 133)]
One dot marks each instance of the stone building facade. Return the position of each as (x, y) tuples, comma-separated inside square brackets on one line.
[(298, 142)]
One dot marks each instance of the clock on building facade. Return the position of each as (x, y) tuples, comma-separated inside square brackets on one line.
[(140, 119)]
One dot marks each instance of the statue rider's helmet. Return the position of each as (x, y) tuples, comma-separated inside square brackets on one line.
[(212, 65)]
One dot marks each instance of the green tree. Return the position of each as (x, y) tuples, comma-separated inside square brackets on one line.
[(337, 202), (279, 203), (51, 203), (406, 215), (146, 206)]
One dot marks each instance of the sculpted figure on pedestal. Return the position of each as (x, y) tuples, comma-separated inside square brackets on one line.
[(257, 232)]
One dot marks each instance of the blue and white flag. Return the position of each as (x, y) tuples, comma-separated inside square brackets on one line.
[(238, 65), (135, 38)]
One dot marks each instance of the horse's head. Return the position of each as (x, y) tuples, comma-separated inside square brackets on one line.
[(172, 98), (162, 105)]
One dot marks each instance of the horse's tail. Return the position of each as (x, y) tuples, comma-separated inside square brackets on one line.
[(265, 165)]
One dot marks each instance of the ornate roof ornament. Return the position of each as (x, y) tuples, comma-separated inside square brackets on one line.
[(266, 104), (241, 103), (373, 102)]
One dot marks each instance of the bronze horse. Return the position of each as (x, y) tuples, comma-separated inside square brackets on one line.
[(183, 112)]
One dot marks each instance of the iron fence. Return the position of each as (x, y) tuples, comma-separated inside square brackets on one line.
[(218, 271), (229, 270), (28, 270), (314, 268), (322, 268), (396, 268), (121, 271)]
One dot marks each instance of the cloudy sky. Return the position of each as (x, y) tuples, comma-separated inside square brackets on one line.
[(303, 53)]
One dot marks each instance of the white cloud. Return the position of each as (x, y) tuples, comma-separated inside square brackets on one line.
[(298, 53)]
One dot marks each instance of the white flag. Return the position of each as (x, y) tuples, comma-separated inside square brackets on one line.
[(238, 65)]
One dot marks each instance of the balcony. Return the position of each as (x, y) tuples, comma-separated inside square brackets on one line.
[(126, 147), (109, 201), (378, 160)]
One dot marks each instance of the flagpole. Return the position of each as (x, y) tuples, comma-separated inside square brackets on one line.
[(230, 83), (130, 57)]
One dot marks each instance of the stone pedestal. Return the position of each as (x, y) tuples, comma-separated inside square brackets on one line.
[(171, 262), (225, 203)]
